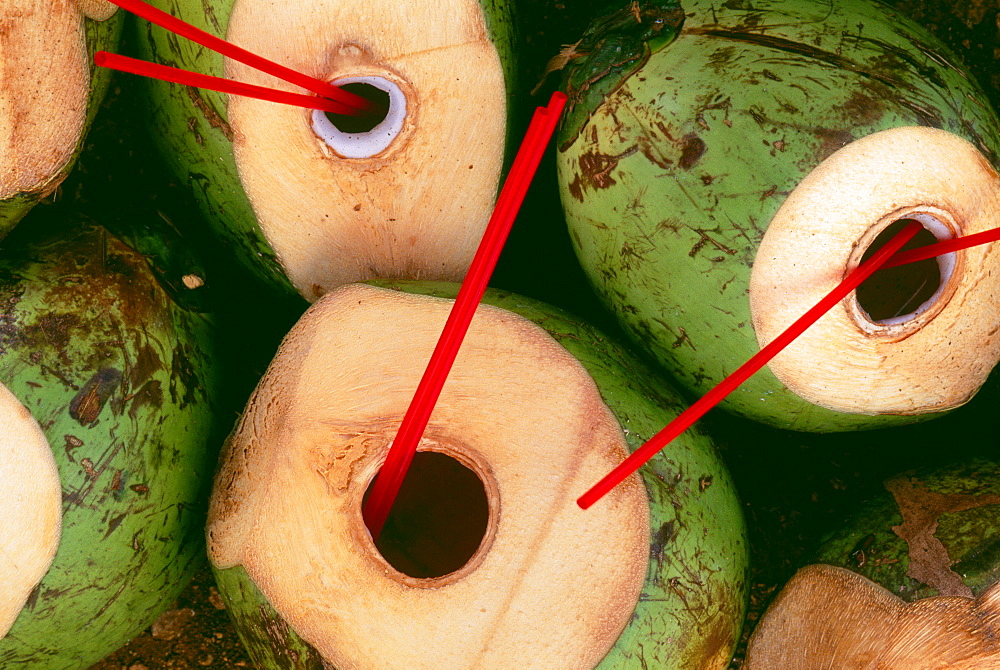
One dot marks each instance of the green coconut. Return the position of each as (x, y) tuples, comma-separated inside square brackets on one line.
[(912, 581), (106, 386), (486, 559), (723, 166), (309, 203), (49, 94)]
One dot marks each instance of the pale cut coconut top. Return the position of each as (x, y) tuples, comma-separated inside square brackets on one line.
[(416, 201), (932, 359), (44, 89), (550, 586), (829, 618), (30, 508)]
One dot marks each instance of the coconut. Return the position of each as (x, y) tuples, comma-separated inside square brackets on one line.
[(724, 167), (912, 581), (105, 388), (486, 560), (831, 618), (49, 95), (312, 201), (30, 536)]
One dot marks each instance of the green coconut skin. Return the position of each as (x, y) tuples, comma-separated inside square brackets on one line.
[(681, 142), (694, 600), (268, 639), (191, 128), (100, 35), (868, 545), (120, 377)]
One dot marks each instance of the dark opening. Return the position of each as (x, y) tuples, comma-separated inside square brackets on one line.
[(900, 290), (438, 520), (362, 123)]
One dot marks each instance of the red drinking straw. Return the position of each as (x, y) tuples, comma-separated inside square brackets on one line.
[(397, 462), (131, 65), (945, 247), (173, 24), (639, 457)]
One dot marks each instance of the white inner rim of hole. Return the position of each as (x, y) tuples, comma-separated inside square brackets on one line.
[(946, 267), (376, 140)]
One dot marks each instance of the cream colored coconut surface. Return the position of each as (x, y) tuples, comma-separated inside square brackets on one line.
[(416, 208), (934, 358), (829, 618), (30, 508), (44, 88), (551, 586)]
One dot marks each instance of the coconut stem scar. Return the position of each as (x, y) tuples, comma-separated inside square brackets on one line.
[(390, 478), (883, 258), (348, 103)]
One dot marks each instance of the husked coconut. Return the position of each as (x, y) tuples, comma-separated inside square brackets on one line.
[(48, 94), (486, 560), (31, 507), (311, 200)]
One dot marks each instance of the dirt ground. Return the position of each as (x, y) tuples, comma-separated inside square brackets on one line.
[(795, 487)]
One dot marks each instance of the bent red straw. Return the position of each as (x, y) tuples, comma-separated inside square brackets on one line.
[(641, 455), (397, 462), (175, 25), (941, 248), (178, 76), (884, 258)]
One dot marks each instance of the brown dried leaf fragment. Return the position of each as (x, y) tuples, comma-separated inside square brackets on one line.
[(558, 62), (921, 509)]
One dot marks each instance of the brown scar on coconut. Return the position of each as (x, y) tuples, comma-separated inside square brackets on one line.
[(830, 618)]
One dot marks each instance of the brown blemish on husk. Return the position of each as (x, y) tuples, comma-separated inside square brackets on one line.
[(213, 118), (150, 394), (117, 279), (921, 509), (86, 406), (71, 442), (692, 149), (184, 382), (595, 172), (830, 141), (147, 363), (804, 50)]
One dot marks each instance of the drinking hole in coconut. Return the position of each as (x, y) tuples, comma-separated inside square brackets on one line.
[(310, 202), (678, 163), (526, 428), (367, 135)]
